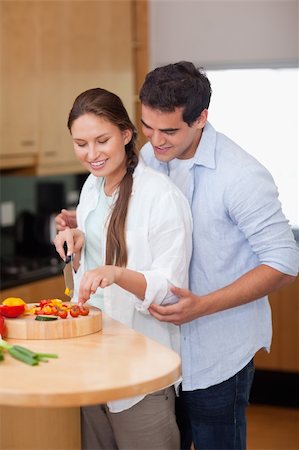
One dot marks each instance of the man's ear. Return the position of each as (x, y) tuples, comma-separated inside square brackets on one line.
[(202, 119), (127, 135)]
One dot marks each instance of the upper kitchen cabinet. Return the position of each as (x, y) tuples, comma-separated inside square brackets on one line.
[(56, 50), (19, 84)]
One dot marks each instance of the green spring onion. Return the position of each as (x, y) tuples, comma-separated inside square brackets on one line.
[(24, 354)]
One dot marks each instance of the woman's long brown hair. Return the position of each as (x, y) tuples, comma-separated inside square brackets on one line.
[(105, 104)]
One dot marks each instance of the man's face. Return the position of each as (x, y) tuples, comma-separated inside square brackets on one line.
[(169, 135)]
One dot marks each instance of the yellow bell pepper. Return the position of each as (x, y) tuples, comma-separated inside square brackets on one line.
[(68, 292), (56, 302), (13, 301)]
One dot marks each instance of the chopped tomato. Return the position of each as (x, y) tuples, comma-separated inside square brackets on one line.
[(84, 310), (62, 313), (75, 311)]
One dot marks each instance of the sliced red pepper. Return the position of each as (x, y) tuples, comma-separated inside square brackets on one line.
[(2, 326), (44, 302)]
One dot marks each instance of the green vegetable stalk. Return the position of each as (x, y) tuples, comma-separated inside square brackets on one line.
[(24, 354)]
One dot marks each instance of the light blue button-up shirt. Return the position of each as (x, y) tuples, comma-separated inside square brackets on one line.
[(238, 225)]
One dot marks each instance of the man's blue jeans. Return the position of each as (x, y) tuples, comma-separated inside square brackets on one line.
[(215, 418)]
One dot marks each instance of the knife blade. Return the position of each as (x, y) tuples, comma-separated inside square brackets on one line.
[(68, 276)]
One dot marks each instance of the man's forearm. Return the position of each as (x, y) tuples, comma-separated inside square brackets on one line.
[(251, 286)]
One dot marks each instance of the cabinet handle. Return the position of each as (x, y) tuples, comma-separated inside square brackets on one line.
[(27, 143), (50, 153)]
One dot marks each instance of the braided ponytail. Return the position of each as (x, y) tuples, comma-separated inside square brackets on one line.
[(116, 248)]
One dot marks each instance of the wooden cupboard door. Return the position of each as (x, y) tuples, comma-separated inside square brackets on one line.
[(140, 29), (83, 44), (50, 52), (284, 354), (99, 50), (39, 428), (56, 150), (18, 84), (56, 153)]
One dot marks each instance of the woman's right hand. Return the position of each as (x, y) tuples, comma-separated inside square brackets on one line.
[(73, 238)]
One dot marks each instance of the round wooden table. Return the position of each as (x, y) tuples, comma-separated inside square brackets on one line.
[(40, 405)]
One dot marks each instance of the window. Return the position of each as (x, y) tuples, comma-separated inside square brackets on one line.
[(258, 109)]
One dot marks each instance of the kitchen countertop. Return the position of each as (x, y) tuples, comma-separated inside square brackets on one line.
[(39, 406), (114, 363)]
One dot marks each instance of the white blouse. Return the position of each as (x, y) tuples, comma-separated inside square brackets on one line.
[(159, 243)]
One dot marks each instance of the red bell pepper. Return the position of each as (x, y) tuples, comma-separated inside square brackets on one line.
[(2, 326)]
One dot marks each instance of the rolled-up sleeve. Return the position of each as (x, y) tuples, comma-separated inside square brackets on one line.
[(254, 205)]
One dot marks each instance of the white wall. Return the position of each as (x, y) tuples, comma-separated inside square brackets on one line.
[(247, 105), (224, 33), (242, 34)]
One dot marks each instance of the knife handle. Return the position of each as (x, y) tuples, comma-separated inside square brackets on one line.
[(68, 258)]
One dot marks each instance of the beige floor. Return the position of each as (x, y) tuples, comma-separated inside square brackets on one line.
[(272, 428)]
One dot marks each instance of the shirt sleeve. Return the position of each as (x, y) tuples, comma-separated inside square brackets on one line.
[(254, 206), (170, 240)]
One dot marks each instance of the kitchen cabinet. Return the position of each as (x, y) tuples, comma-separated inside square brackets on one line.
[(19, 84), (284, 355), (52, 287), (140, 57), (50, 52)]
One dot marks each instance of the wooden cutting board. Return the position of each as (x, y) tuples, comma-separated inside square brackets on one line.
[(26, 327)]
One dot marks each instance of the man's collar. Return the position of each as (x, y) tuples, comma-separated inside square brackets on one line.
[(205, 152)]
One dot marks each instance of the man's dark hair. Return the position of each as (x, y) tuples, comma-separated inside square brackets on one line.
[(177, 85)]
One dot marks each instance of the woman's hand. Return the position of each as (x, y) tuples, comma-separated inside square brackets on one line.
[(100, 277), (66, 218), (73, 238)]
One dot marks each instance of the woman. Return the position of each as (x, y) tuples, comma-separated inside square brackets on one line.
[(133, 242)]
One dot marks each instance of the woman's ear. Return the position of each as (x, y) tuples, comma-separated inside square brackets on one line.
[(127, 135)]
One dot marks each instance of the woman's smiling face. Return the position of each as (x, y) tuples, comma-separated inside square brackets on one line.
[(100, 146)]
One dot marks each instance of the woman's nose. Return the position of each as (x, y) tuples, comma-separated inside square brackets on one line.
[(92, 152)]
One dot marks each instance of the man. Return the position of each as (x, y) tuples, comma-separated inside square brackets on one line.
[(243, 249)]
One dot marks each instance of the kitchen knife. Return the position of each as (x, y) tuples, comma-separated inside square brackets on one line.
[(68, 276)]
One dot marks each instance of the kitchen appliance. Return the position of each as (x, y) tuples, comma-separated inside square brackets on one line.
[(50, 199), (34, 233)]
